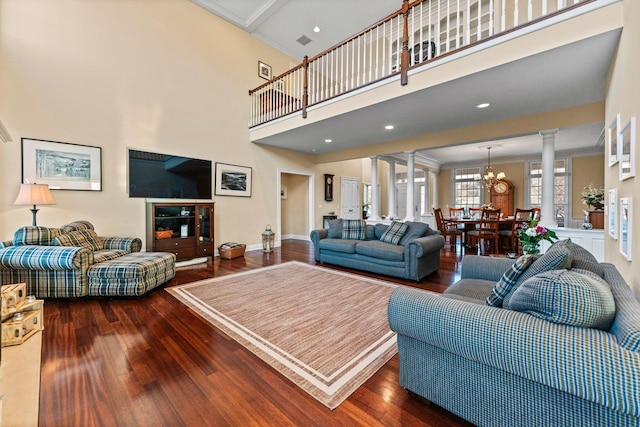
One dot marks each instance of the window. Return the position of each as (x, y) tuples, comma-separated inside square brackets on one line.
[(560, 189), (467, 188)]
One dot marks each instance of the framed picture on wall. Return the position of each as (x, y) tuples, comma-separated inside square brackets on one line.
[(233, 180), (627, 150), (264, 70), (625, 227), (61, 165), (613, 140), (613, 213)]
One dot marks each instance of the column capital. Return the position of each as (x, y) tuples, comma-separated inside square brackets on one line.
[(374, 157), (547, 132), (410, 153)]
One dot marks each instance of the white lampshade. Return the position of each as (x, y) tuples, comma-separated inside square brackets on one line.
[(34, 194)]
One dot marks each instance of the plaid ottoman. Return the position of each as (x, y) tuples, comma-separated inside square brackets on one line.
[(133, 274)]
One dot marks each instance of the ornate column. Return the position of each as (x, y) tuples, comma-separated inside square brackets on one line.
[(375, 203), (391, 190), (547, 216), (411, 183)]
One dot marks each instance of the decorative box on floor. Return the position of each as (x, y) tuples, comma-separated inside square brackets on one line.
[(231, 250), (21, 314)]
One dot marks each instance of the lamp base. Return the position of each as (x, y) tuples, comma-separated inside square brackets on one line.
[(34, 211)]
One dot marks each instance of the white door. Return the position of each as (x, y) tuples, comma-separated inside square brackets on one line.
[(401, 201), (350, 198)]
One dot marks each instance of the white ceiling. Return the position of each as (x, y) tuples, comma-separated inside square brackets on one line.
[(560, 78)]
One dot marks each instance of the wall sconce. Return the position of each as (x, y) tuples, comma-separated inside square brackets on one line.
[(34, 194)]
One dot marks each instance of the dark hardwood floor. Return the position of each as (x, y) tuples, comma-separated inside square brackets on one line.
[(150, 361)]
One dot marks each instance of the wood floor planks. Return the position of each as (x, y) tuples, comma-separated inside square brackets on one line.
[(150, 361)]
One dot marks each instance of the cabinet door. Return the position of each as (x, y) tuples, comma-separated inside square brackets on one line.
[(204, 218)]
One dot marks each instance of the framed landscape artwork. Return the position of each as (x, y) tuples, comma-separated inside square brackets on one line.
[(61, 165), (232, 180), (613, 140), (627, 150), (264, 70)]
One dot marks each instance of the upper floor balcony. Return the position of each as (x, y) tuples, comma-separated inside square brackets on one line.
[(422, 48)]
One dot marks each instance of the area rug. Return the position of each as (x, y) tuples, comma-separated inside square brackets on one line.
[(325, 330)]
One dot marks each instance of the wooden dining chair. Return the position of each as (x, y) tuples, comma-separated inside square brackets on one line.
[(456, 211), (487, 231), (510, 236), (448, 229)]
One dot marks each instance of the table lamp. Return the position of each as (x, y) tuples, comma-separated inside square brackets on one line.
[(34, 194)]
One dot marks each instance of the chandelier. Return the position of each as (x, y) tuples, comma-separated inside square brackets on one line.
[(490, 179)]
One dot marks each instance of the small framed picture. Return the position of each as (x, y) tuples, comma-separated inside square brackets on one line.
[(613, 140), (627, 150), (613, 213), (232, 180), (625, 227), (264, 70)]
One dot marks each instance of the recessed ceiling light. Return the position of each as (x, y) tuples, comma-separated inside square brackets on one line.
[(316, 29), (483, 105), (313, 150), (328, 141), (388, 127)]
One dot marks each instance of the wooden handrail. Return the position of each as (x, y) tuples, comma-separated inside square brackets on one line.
[(382, 51)]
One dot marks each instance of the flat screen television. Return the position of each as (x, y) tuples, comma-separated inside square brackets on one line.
[(163, 176)]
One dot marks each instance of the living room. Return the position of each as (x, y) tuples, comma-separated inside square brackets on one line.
[(169, 77)]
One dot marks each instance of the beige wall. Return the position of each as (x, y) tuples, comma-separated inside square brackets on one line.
[(295, 208), (163, 76), (585, 170), (623, 97)]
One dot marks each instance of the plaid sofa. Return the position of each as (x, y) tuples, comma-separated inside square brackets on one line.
[(58, 262), (478, 353)]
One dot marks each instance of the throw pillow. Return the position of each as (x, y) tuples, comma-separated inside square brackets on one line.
[(394, 233), (414, 231), (83, 238), (353, 229), (335, 229), (370, 232), (34, 235), (77, 225), (380, 229), (508, 280), (568, 298), (557, 257)]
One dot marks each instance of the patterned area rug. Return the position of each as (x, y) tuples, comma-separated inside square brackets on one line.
[(325, 330)]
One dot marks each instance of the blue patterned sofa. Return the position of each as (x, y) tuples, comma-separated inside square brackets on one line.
[(73, 261), (409, 250), (547, 341)]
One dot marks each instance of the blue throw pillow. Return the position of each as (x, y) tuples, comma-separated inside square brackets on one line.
[(335, 229), (415, 230), (394, 233), (353, 229), (568, 298), (508, 280)]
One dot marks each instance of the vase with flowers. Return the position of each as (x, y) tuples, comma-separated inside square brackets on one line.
[(593, 196), (530, 234)]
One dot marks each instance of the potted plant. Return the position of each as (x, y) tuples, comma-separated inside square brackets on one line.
[(593, 196)]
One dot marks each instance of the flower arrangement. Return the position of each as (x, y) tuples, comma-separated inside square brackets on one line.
[(593, 196), (531, 234)]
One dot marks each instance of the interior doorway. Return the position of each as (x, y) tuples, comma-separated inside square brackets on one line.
[(294, 202)]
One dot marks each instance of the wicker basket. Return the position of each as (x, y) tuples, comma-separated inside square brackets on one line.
[(231, 253)]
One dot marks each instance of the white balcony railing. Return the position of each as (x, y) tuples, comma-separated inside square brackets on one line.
[(422, 31)]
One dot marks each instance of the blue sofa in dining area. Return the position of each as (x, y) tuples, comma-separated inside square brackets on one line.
[(408, 250), (541, 341)]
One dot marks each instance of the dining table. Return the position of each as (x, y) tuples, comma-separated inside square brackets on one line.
[(470, 222)]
